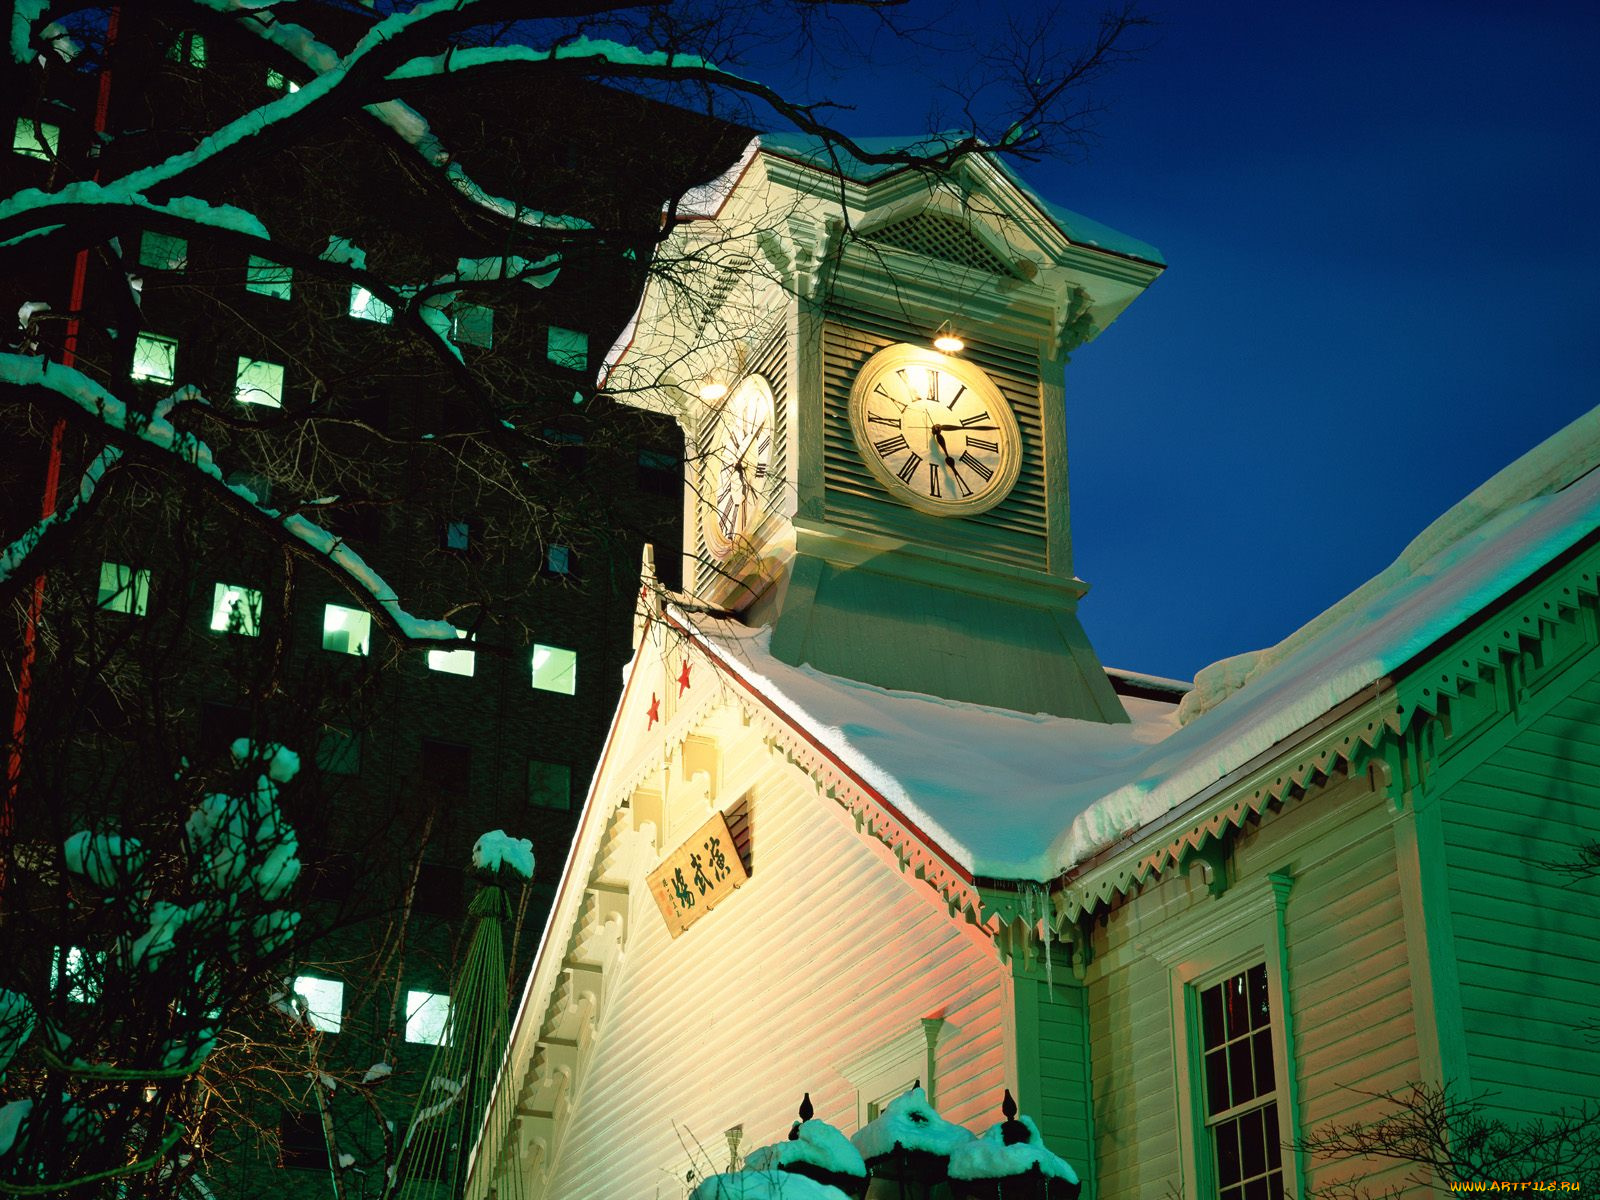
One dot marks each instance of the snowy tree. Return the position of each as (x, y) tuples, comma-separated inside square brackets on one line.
[(396, 244)]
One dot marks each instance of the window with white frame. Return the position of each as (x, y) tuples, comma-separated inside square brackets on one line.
[(427, 1017), (267, 278), (346, 630), (567, 348), (364, 306), (162, 251), (324, 1001), (155, 358), (555, 669), (258, 382), (452, 662), (36, 139), (236, 609), (1240, 1086), (124, 589)]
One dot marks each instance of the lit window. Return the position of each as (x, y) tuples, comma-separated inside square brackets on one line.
[(558, 560), (189, 50), (457, 536), (346, 630), (1241, 1096), (568, 348), (267, 278), (427, 1015), (549, 784), (236, 610), (155, 358), (324, 1001), (339, 751), (451, 662), (124, 590), (162, 251), (259, 382), (365, 306), (472, 325), (279, 82), (83, 971), (36, 139), (555, 669)]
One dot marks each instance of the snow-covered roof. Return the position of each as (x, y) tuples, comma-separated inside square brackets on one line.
[(1015, 796), (824, 155)]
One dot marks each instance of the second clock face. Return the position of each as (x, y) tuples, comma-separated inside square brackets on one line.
[(935, 431), (735, 483)]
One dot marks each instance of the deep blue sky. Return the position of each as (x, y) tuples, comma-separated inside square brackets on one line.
[(1380, 221)]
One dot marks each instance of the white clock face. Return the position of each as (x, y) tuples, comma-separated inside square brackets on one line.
[(735, 479), (935, 431)]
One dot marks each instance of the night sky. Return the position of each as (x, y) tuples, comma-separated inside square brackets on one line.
[(1380, 221)]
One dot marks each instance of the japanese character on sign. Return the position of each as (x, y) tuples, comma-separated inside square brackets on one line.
[(719, 862), (700, 880), (681, 889)]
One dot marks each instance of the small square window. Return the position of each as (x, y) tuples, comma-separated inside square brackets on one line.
[(567, 348), (279, 82), (447, 766), (346, 630), (339, 751), (155, 358), (452, 662), (236, 610), (364, 306), (189, 50), (472, 325), (83, 971), (427, 1017), (549, 785), (162, 251), (324, 1001), (457, 536), (36, 139), (558, 560), (259, 382), (124, 590), (555, 669), (267, 278)]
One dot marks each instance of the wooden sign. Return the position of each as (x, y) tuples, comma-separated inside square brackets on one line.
[(697, 876)]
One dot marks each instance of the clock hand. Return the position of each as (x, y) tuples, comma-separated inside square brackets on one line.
[(938, 436), (968, 428)]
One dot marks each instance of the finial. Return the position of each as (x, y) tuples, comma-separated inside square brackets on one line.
[(806, 1111), (1013, 1132), (1008, 1106)]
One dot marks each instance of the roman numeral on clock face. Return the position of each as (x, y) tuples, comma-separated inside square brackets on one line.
[(982, 418), (909, 467), (933, 480), (984, 444), (978, 467), (891, 445), (875, 419)]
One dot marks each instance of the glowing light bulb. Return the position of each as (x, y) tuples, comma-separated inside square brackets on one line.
[(949, 343), (713, 391)]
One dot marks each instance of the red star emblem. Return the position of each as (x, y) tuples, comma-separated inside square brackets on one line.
[(683, 678), (655, 710)]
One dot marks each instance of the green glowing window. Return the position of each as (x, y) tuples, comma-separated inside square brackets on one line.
[(452, 662), (457, 536), (162, 251), (364, 306), (124, 590), (472, 325), (189, 50), (258, 382), (427, 1017), (567, 348), (279, 82), (558, 560), (549, 785), (346, 630), (36, 139), (324, 1001), (82, 970), (236, 610), (267, 278), (555, 669), (339, 751), (155, 358)]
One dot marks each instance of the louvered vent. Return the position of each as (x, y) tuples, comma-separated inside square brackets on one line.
[(935, 236)]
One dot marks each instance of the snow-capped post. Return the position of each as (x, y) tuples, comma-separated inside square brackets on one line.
[(816, 1151), (911, 1144), (1010, 1162)]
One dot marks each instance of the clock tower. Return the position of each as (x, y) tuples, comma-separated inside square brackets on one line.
[(868, 362)]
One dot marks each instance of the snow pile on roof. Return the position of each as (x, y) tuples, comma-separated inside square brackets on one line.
[(818, 1145), (910, 1123), (988, 1157), (495, 850), (764, 1185)]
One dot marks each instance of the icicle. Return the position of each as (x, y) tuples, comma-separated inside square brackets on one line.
[(1036, 912)]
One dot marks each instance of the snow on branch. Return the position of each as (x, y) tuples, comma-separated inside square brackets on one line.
[(155, 433)]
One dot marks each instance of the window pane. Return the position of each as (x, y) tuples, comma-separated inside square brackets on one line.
[(457, 535), (267, 278), (1211, 1018), (568, 348), (324, 1000), (346, 630), (259, 382), (1217, 1082), (1256, 1189), (1269, 1117), (558, 560), (236, 610), (451, 662), (555, 669), (162, 251), (1227, 1135), (1253, 1150), (427, 1014), (1263, 1056), (339, 752), (36, 139), (1260, 1008), (1241, 1078), (124, 590), (155, 358), (1275, 1186), (472, 325), (367, 307), (81, 970), (447, 766), (1238, 1006), (549, 784)]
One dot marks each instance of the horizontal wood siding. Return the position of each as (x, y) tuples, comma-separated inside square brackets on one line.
[(1527, 937), (825, 955)]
